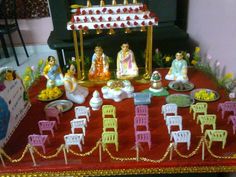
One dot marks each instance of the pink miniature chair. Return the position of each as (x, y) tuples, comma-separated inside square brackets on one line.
[(182, 136), (53, 112), (141, 110), (82, 111), (45, 125), (228, 106), (233, 120), (143, 137), (141, 120), (38, 140)]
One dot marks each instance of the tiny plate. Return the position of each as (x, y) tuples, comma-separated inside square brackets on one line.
[(217, 96), (181, 100), (63, 105), (188, 86)]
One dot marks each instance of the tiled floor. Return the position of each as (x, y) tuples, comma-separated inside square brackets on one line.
[(35, 53)]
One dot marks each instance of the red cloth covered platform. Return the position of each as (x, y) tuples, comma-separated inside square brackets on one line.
[(123, 161)]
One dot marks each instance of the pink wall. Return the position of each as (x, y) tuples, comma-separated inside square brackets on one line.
[(211, 23), (34, 31)]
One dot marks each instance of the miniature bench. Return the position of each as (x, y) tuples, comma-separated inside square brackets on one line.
[(142, 98)]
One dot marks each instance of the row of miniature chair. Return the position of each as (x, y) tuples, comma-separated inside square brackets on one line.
[(82, 114), (110, 126), (227, 106), (180, 136), (141, 119), (45, 125), (208, 119)]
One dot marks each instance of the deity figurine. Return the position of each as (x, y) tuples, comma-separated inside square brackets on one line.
[(52, 72), (99, 70), (126, 64), (156, 85), (74, 91), (178, 70)]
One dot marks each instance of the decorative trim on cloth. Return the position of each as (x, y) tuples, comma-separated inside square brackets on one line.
[(133, 171)]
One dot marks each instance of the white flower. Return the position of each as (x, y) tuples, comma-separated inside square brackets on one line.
[(188, 55), (218, 63), (209, 57), (73, 58), (231, 95), (157, 50)]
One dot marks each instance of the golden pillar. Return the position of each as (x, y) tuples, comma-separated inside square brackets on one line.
[(148, 54), (82, 53), (77, 54)]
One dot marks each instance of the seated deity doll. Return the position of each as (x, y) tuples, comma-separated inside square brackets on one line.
[(99, 70), (178, 70), (52, 73), (74, 91), (126, 64)]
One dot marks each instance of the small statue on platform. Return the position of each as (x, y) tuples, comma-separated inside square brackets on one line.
[(178, 70), (126, 64), (74, 91), (99, 70), (156, 84), (52, 72)]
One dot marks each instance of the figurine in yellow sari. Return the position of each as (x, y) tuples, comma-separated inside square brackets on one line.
[(99, 70), (74, 91), (52, 72), (126, 64)]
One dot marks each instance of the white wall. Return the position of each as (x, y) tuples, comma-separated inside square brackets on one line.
[(211, 23), (34, 31)]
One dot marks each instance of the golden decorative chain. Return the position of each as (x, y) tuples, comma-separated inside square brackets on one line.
[(86, 153), (192, 153), (120, 158), (216, 156), (161, 159), (15, 160), (49, 156)]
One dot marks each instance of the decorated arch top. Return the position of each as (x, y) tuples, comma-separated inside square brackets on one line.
[(112, 16)]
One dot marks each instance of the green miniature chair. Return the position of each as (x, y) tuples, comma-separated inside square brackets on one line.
[(108, 110), (209, 119), (216, 135), (109, 137), (109, 123), (198, 108)]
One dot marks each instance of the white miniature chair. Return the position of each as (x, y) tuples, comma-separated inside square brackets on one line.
[(45, 125), (182, 136), (82, 111), (78, 123), (173, 121), (74, 139), (170, 108)]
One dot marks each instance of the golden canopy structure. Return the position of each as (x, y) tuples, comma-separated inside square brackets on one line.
[(113, 16)]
